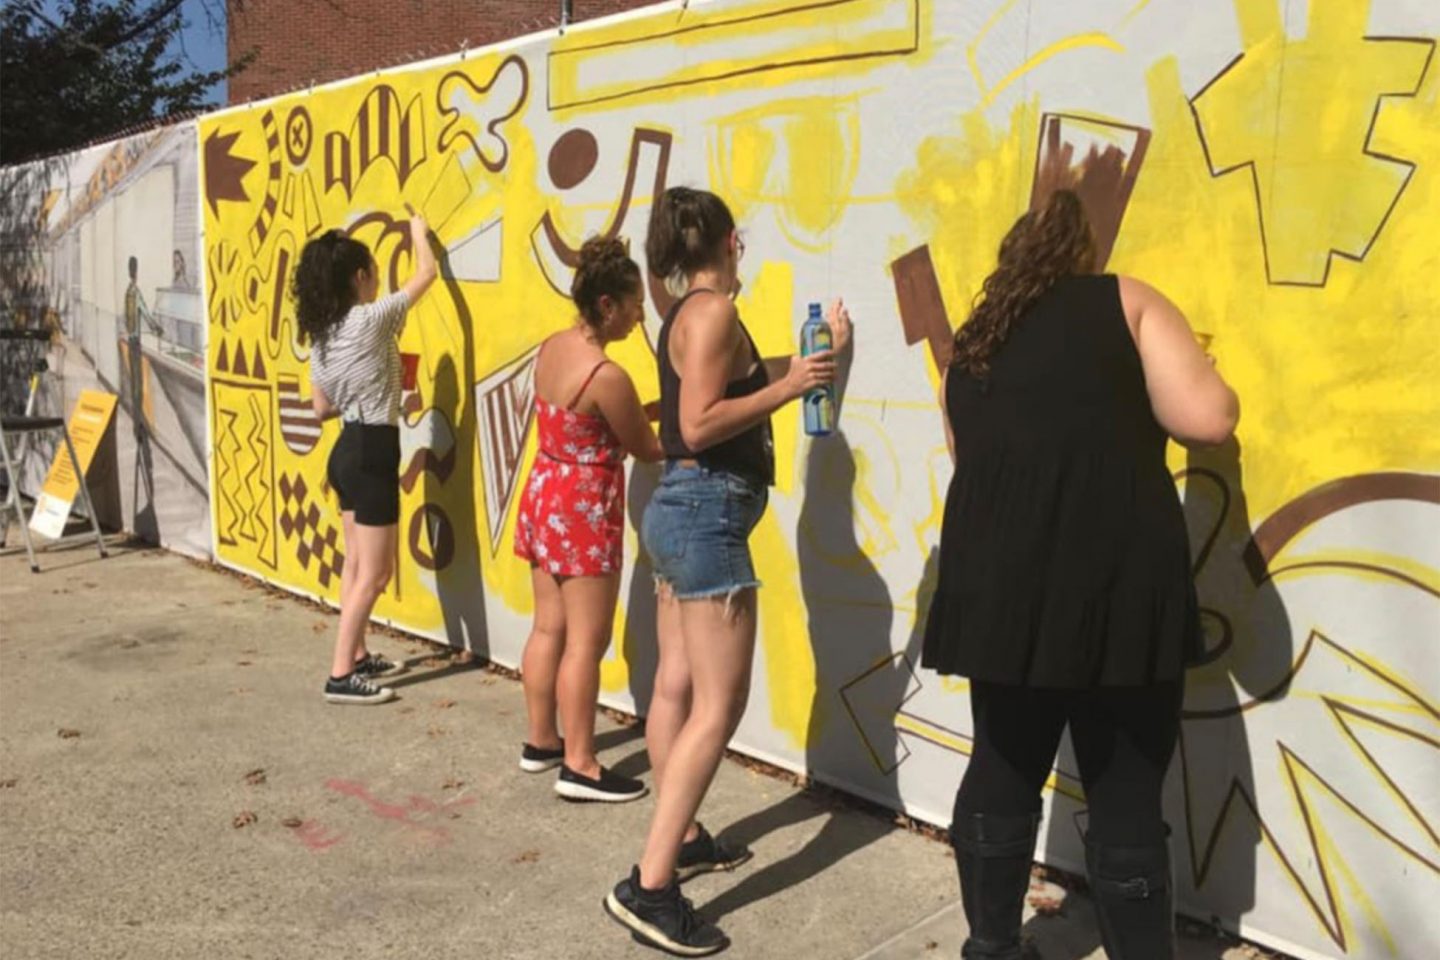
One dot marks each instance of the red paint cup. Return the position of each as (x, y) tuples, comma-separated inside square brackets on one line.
[(409, 366)]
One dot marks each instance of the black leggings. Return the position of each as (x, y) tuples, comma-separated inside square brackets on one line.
[(1123, 737)]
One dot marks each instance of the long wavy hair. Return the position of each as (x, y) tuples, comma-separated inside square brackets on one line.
[(324, 283), (1042, 247)]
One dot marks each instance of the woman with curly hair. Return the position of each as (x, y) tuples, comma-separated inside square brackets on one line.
[(1065, 593), (572, 520), (355, 375)]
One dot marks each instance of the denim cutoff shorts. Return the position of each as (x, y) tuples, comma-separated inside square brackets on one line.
[(696, 530)]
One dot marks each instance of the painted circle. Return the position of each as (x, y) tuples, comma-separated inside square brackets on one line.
[(298, 133), (572, 158)]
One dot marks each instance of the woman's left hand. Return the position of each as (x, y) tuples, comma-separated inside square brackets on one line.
[(840, 327)]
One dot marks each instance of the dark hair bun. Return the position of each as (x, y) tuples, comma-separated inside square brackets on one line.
[(605, 270)]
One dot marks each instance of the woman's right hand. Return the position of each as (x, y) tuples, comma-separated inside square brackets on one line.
[(807, 373)]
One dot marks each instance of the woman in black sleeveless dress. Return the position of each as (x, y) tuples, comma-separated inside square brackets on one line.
[(1065, 591), (716, 398)]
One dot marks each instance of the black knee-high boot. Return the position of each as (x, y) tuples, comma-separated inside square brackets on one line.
[(994, 853), (1134, 899)]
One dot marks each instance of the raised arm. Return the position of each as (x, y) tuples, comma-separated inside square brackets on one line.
[(425, 269), (1187, 394), (619, 404), (711, 335)]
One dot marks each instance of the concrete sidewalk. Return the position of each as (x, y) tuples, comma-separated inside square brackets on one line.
[(173, 786)]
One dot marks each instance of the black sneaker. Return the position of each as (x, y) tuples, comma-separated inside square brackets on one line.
[(663, 919), (705, 854), (535, 760), (353, 688), (373, 665), (610, 787)]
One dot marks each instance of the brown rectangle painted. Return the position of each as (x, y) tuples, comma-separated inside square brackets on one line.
[(922, 306)]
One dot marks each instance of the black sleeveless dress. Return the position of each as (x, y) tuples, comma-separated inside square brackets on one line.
[(1064, 559)]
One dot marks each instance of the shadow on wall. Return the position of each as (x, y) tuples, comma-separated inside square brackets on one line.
[(1249, 650), (850, 620), (450, 519), (639, 646)]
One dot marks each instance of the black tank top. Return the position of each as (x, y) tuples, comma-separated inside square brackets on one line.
[(1064, 558), (749, 454)]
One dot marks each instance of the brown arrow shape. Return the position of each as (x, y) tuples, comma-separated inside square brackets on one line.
[(224, 171)]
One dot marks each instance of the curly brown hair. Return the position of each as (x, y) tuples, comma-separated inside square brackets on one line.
[(323, 286), (1042, 247), (605, 270)]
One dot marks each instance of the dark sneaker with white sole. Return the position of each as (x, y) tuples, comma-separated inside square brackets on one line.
[(373, 665), (353, 688), (705, 854), (536, 760), (663, 919), (609, 787)]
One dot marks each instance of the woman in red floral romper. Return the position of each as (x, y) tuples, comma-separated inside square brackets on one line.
[(572, 519)]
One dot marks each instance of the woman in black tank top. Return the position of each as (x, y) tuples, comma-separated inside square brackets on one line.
[(1065, 592), (716, 397)]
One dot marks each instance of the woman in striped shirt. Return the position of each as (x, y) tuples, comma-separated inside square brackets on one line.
[(355, 375)]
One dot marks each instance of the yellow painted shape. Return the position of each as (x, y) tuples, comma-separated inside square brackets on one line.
[(784, 633), (1300, 111), (785, 41), (989, 93), (1359, 351), (800, 155), (963, 191), (770, 311)]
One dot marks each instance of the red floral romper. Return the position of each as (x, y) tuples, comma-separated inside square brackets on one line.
[(572, 513)]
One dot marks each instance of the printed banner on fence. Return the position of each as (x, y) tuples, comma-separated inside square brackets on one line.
[(93, 412)]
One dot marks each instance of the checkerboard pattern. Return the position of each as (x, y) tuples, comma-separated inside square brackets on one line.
[(300, 522)]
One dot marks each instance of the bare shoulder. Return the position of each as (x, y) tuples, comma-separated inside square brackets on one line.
[(1139, 299), (612, 376), (708, 309)]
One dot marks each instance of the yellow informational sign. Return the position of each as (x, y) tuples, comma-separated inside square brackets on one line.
[(92, 415)]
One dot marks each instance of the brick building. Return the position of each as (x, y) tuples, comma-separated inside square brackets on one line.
[(297, 43)]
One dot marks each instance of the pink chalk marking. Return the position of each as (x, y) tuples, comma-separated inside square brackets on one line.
[(315, 836)]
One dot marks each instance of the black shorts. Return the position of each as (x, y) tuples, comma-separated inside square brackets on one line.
[(364, 469)]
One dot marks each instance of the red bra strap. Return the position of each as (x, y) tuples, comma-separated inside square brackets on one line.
[(586, 385)]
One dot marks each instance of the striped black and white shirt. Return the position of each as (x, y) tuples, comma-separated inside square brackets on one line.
[(358, 365)]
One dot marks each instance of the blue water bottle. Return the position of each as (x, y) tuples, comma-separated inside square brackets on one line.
[(819, 403)]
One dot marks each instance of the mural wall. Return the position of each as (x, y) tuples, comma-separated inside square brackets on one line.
[(1273, 166), (113, 241)]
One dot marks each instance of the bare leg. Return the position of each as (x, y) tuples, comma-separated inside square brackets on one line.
[(541, 660), (589, 619), (670, 705), (372, 551), (720, 645)]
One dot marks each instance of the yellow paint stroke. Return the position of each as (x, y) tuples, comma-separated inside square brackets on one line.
[(941, 737), (962, 193), (988, 94), (784, 41), (1134, 12), (1373, 565), (784, 633), (800, 156), (1292, 117), (1335, 381), (768, 307)]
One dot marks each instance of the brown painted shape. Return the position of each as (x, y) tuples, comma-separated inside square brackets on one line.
[(222, 359), (572, 158), (451, 131), (224, 171), (1103, 179), (922, 306)]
